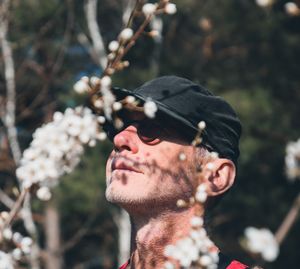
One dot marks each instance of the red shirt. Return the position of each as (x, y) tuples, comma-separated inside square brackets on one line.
[(233, 265)]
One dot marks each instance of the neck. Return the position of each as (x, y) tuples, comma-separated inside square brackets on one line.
[(152, 233)]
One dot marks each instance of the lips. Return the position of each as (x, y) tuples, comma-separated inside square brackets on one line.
[(120, 163)]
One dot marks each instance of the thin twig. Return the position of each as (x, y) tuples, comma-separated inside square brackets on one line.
[(16, 208), (66, 38), (90, 8), (131, 16), (81, 233), (288, 221), (133, 40), (6, 200), (9, 117)]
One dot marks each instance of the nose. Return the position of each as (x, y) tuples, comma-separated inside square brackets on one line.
[(127, 139)]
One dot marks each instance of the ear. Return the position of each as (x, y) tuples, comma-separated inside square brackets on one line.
[(219, 176)]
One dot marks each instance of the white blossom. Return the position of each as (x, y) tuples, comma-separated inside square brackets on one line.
[(17, 238), (4, 215), (101, 119), (292, 9), (44, 194), (113, 45), (108, 99), (201, 194), (149, 9), (111, 56), (7, 233), (182, 156), (194, 248), (196, 222), (102, 136), (117, 106), (214, 155), (81, 86), (169, 265), (6, 261), (98, 103), (264, 3), (205, 260), (130, 99), (26, 244), (126, 34), (209, 166), (106, 81), (16, 254), (292, 160), (56, 149), (170, 8), (95, 81), (263, 242), (23, 245), (150, 108), (201, 125), (181, 203)]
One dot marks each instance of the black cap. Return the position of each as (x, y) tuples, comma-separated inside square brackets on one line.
[(186, 104)]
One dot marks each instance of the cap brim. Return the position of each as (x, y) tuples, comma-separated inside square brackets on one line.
[(164, 113)]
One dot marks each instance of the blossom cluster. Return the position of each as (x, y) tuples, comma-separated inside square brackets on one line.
[(194, 250), (102, 98), (6, 261), (107, 103), (22, 244), (292, 160), (56, 148), (262, 242)]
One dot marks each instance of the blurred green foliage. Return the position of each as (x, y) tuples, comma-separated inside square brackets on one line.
[(247, 54)]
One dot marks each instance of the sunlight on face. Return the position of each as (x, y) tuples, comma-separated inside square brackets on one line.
[(139, 174)]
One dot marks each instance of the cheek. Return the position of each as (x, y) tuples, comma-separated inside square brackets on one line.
[(167, 166), (108, 166)]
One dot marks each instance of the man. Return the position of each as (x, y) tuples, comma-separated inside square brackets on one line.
[(153, 164)]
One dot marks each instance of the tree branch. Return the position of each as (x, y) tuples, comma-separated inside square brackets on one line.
[(9, 122), (66, 38), (6, 200), (90, 8), (9, 117), (289, 220), (129, 6)]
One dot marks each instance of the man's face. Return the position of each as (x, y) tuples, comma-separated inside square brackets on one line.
[(145, 172)]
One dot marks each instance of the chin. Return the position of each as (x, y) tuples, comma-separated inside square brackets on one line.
[(141, 203), (123, 196)]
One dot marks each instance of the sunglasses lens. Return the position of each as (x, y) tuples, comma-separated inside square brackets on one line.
[(148, 131)]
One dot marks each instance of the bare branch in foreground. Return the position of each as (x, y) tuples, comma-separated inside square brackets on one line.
[(288, 221), (6, 200), (9, 116), (90, 9)]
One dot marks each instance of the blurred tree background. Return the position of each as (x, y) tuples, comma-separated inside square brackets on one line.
[(247, 53)]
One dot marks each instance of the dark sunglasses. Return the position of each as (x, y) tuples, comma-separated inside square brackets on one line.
[(148, 130)]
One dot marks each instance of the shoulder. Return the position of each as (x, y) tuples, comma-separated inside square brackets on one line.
[(228, 263), (237, 265)]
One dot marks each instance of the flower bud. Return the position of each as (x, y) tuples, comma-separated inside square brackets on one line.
[(149, 9), (126, 34), (170, 8), (113, 45)]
